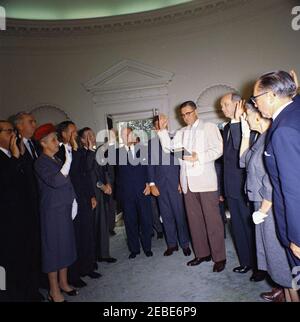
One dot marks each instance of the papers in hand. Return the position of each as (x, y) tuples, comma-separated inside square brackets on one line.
[(180, 152)]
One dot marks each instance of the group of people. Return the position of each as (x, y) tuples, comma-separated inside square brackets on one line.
[(69, 191), (54, 219)]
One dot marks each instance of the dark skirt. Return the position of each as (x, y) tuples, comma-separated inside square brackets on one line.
[(58, 239)]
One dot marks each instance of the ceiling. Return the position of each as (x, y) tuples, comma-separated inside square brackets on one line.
[(79, 9)]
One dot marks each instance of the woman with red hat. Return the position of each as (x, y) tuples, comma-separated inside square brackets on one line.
[(57, 197)]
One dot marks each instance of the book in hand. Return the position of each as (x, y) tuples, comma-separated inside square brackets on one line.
[(180, 152)]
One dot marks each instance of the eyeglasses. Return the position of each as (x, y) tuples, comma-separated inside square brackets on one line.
[(187, 113), (253, 98), (10, 131)]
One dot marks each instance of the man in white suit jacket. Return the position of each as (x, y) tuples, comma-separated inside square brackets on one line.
[(203, 143)]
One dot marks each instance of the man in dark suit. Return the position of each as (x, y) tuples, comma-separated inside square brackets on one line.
[(133, 193), (234, 181), (15, 226), (164, 184), (103, 190), (25, 124), (275, 96), (85, 196)]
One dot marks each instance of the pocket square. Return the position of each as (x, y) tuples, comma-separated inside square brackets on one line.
[(267, 154)]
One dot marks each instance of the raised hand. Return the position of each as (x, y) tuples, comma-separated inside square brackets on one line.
[(13, 147), (162, 121), (239, 109), (73, 141), (245, 126)]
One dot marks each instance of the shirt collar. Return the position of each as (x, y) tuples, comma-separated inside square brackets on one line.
[(196, 123), (280, 110), (7, 152)]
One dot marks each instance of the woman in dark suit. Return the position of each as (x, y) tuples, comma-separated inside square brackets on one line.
[(57, 200)]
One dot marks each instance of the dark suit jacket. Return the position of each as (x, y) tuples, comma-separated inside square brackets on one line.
[(234, 175), (282, 158), (163, 167), (79, 172), (131, 178), (15, 227)]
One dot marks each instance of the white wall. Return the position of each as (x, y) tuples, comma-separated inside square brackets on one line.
[(231, 47)]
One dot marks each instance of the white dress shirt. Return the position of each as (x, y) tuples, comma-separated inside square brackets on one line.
[(25, 140), (280, 110), (8, 153)]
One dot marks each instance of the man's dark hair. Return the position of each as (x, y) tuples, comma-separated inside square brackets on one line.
[(155, 119), (82, 131), (188, 103), (4, 121), (279, 82), (61, 127)]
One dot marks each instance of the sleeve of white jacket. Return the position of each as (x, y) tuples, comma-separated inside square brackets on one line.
[(168, 144), (214, 145), (67, 165)]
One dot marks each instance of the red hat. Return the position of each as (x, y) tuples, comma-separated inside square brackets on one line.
[(43, 130)]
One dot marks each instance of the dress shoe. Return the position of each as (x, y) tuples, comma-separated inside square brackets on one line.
[(160, 235), (170, 250), (219, 266), (94, 275), (107, 259), (149, 253), (258, 276), (51, 299), (187, 251), (276, 295), (132, 255), (73, 292), (241, 269), (79, 283), (197, 261)]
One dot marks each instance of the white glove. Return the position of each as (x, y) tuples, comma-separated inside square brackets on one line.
[(74, 209), (67, 165), (245, 127), (258, 217)]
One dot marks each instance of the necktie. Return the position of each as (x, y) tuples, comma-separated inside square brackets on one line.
[(32, 149)]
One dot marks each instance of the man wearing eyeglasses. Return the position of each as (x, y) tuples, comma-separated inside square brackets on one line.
[(25, 124), (14, 211), (198, 179), (275, 97)]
